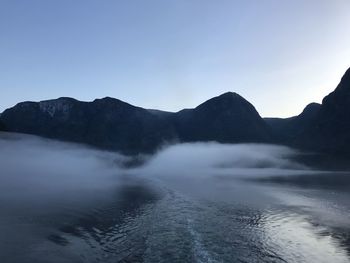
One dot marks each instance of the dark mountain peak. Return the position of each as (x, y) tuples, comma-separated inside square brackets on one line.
[(225, 118), (346, 77), (229, 96), (108, 99), (312, 105), (62, 99), (112, 102), (62, 105), (342, 93), (311, 109), (229, 101), (329, 131), (25, 104), (286, 130), (107, 123)]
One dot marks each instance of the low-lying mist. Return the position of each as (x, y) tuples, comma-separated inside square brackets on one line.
[(26, 158), (34, 167), (68, 203), (52, 164), (223, 159)]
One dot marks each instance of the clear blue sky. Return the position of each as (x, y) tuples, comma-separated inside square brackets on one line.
[(174, 54)]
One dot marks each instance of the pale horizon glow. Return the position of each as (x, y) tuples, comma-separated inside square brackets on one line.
[(170, 55)]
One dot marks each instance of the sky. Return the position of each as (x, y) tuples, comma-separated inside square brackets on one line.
[(172, 54)]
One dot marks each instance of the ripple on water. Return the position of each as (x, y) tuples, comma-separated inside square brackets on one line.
[(176, 228)]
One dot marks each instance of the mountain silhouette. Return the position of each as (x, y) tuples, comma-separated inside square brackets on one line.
[(105, 123), (288, 129), (228, 118), (112, 124), (329, 131), (115, 125)]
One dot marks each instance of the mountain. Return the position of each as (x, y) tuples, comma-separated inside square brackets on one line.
[(228, 118), (105, 123), (330, 130), (288, 129), (113, 124), (2, 126)]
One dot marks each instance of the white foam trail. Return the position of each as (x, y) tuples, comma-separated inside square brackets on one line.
[(201, 254)]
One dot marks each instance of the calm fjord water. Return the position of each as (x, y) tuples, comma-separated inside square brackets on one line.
[(208, 202)]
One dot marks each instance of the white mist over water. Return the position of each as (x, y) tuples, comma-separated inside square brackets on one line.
[(64, 164), (37, 166), (72, 203), (203, 159), (44, 169)]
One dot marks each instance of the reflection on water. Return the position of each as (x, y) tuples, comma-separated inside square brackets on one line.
[(65, 203)]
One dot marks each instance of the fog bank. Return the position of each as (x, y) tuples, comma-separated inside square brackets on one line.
[(203, 159), (48, 165)]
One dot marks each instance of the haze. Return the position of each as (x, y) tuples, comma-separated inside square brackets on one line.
[(69, 203)]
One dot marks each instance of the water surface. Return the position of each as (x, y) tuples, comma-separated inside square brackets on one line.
[(63, 202)]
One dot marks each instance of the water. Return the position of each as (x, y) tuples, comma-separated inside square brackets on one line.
[(189, 203)]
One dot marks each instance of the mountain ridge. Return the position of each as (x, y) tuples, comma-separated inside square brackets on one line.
[(113, 124), (285, 130), (117, 125), (329, 131)]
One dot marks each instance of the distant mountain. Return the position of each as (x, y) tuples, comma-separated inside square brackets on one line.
[(113, 124), (106, 123), (330, 130), (228, 118), (287, 130)]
